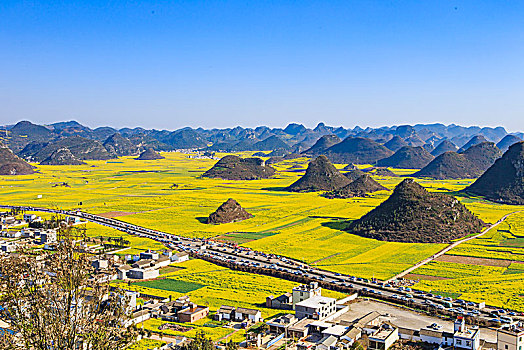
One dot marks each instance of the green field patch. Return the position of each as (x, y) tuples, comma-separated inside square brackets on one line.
[(244, 237), (171, 285), (446, 294), (170, 269), (513, 242)]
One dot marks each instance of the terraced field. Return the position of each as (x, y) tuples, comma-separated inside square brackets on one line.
[(489, 268), (304, 226)]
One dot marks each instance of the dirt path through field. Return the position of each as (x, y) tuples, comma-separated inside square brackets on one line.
[(449, 247)]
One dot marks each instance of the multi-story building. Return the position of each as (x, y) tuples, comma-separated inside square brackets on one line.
[(317, 308), (510, 337), (464, 337), (383, 337), (305, 291)]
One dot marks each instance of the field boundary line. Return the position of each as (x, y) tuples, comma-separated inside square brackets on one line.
[(449, 247)]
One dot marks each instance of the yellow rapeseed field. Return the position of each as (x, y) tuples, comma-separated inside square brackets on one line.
[(304, 226)]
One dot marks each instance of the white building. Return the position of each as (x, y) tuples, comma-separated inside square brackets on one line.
[(433, 336), (305, 291), (47, 236), (100, 264), (383, 337), (252, 315), (8, 247), (122, 271), (14, 234), (29, 217), (149, 255), (317, 308), (163, 261), (464, 337), (179, 257), (141, 274), (510, 337)]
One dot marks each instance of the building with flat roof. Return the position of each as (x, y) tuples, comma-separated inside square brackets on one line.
[(225, 312), (243, 314), (383, 337), (317, 307), (304, 292), (510, 337), (193, 313), (464, 337), (299, 329), (142, 274), (281, 324)]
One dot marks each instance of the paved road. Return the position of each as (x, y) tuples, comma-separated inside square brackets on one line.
[(246, 257), (449, 247)]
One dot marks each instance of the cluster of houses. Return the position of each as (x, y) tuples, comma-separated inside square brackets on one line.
[(179, 310), (325, 323), (147, 265)]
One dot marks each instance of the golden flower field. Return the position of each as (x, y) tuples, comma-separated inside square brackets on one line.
[(303, 226)]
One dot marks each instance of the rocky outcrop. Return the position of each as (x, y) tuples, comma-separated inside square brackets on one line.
[(320, 175), (407, 158), (235, 168), (149, 154), (412, 214), (11, 164), (358, 188), (62, 156), (229, 211), (357, 150), (503, 182)]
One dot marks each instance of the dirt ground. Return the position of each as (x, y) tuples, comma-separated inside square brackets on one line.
[(405, 318), (416, 276), (474, 261), (114, 214)]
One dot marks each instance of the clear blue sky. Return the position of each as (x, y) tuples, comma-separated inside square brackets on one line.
[(168, 64)]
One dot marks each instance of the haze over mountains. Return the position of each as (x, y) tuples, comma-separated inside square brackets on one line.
[(421, 146)]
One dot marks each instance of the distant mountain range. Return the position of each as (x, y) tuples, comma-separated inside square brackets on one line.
[(409, 146)]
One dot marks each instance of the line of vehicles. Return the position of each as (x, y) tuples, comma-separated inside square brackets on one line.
[(246, 257)]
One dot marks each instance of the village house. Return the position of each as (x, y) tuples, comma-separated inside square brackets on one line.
[(149, 255), (510, 337), (383, 337), (142, 274), (14, 234), (122, 271), (29, 217), (8, 247), (143, 264), (282, 302), (162, 261), (100, 264), (193, 313), (304, 292), (300, 328), (225, 313), (9, 220), (47, 236), (245, 314), (317, 307), (281, 324), (465, 337), (179, 257)]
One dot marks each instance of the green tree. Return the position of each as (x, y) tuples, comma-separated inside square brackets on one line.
[(51, 302), (201, 342), (231, 345), (357, 346)]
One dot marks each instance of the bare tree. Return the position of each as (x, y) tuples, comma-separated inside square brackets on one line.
[(51, 301)]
